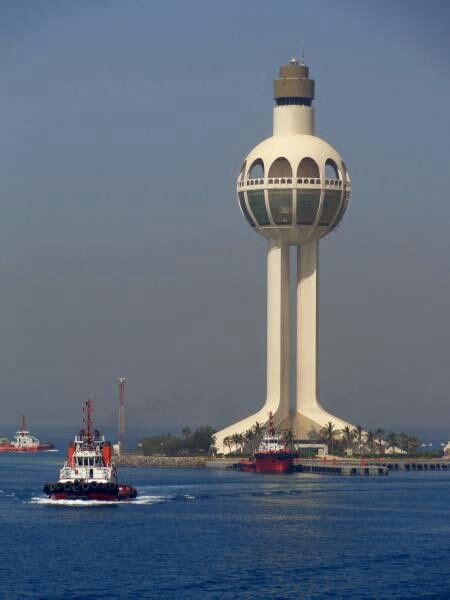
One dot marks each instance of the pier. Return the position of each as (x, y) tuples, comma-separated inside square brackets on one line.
[(340, 468), (417, 465)]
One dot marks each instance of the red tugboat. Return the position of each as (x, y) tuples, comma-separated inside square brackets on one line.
[(89, 473), (272, 456), (23, 442)]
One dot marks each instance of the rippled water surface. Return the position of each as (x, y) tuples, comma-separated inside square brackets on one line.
[(222, 534)]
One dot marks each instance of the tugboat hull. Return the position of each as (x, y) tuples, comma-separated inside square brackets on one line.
[(90, 491), (274, 464), (268, 464), (27, 449), (248, 466)]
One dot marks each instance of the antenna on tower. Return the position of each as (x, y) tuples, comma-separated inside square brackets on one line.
[(302, 59), (121, 429)]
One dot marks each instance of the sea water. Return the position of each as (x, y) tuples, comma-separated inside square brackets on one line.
[(201, 533)]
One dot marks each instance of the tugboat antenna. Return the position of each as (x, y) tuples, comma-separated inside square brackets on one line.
[(22, 424)]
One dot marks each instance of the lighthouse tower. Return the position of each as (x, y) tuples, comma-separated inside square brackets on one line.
[(293, 189)]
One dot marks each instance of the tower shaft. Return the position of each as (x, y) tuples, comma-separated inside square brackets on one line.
[(307, 267), (277, 329)]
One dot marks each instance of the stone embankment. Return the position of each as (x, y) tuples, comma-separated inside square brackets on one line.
[(138, 460), (336, 464)]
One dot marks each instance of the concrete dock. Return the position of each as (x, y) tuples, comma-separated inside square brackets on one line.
[(339, 468), (330, 466)]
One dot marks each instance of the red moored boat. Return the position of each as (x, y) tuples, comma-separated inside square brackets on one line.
[(23, 442), (89, 472), (272, 456)]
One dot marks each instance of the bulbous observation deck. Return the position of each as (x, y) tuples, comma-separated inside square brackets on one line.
[(295, 188)]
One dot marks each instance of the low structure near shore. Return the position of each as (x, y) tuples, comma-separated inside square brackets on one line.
[(138, 460)]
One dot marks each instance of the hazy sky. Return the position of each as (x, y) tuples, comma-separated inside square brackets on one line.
[(122, 248)]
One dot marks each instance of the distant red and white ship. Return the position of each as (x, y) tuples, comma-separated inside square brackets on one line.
[(23, 442), (89, 472), (272, 456)]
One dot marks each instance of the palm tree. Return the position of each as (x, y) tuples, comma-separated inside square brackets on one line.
[(240, 440), (349, 436), (235, 438), (288, 437), (249, 436), (328, 434), (227, 441), (380, 438), (258, 429), (403, 442), (391, 440), (370, 440), (413, 444), (359, 431)]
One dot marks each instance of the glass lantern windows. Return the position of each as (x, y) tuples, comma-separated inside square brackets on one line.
[(343, 208), (257, 205), (280, 202), (307, 206), (244, 209), (331, 202)]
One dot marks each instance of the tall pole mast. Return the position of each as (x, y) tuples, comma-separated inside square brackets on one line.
[(88, 419), (121, 430)]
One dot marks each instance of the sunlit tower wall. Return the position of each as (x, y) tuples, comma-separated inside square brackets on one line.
[(121, 428), (293, 189)]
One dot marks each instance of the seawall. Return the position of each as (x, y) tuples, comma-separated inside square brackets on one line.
[(138, 460)]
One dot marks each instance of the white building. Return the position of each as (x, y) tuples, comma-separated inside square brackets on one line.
[(293, 189)]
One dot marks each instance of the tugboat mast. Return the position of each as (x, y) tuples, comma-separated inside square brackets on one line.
[(271, 429), (88, 410)]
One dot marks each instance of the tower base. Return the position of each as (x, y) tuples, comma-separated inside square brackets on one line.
[(306, 428), (303, 427)]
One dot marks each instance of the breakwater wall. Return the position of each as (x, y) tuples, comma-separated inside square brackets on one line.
[(138, 460)]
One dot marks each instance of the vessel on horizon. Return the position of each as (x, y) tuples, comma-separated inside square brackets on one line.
[(23, 441), (89, 472), (272, 456)]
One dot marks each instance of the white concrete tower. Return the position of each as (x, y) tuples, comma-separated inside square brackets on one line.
[(293, 189)]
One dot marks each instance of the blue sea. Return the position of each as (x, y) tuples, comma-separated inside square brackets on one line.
[(200, 533)]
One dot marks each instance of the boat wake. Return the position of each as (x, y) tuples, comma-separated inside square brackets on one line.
[(78, 503), (7, 494), (140, 501)]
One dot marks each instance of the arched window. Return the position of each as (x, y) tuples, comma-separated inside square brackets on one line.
[(280, 168), (256, 170), (344, 170), (308, 168), (331, 170), (242, 171)]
